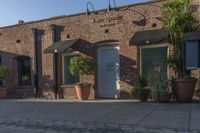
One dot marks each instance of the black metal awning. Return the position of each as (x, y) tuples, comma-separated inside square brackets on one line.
[(60, 47), (157, 36), (80, 45)]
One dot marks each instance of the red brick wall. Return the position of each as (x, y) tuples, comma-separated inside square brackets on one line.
[(78, 26)]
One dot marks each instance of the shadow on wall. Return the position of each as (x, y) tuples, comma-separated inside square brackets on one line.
[(11, 79), (47, 88), (16, 91), (128, 74), (45, 82), (39, 93)]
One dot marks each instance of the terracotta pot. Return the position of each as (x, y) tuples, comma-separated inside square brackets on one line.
[(164, 98), (185, 89), (2, 93), (83, 91)]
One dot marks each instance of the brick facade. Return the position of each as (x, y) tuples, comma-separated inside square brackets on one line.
[(118, 25)]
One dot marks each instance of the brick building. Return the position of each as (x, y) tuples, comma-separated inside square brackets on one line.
[(37, 53)]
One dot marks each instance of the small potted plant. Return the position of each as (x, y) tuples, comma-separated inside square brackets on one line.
[(141, 91), (3, 72), (160, 88), (82, 65)]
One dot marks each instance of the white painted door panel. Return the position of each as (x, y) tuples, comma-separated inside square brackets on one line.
[(108, 70)]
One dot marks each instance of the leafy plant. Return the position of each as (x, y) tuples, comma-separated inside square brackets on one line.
[(83, 65), (178, 19), (158, 84), (141, 91), (3, 72)]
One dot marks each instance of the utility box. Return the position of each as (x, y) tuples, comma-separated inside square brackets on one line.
[(192, 49)]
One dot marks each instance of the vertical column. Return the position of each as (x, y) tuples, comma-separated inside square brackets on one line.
[(55, 62), (36, 71)]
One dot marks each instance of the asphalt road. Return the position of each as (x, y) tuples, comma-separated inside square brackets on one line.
[(104, 116)]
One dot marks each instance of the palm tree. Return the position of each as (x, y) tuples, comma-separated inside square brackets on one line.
[(178, 19)]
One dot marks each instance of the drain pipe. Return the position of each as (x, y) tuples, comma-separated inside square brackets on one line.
[(36, 62), (55, 64)]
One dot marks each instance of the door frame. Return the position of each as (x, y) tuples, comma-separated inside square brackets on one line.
[(99, 70), (154, 46)]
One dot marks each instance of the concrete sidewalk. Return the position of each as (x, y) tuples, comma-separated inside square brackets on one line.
[(118, 115)]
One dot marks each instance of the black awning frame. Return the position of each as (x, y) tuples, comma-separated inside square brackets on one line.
[(150, 37), (80, 45), (60, 47)]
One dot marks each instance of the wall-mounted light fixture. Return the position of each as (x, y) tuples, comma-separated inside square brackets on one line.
[(109, 5), (88, 11)]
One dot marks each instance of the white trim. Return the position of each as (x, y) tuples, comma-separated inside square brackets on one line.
[(154, 46), (107, 44), (99, 70)]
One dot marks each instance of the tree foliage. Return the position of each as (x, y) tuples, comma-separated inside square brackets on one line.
[(83, 65), (178, 19)]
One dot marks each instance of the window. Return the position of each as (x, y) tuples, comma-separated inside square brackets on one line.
[(24, 70), (68, 77)]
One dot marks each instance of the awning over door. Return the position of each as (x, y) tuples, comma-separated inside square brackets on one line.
[(148, 37), (80, 45), (60, 47)]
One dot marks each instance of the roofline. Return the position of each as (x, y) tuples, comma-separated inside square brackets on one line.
[(78, 14)]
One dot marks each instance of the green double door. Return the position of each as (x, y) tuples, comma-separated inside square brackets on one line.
[(154, 60)]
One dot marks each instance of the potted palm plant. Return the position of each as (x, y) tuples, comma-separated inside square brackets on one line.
[(82, 65), (3, 72), (178, 19)]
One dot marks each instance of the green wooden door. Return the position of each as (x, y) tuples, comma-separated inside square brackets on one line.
[(154, 59)]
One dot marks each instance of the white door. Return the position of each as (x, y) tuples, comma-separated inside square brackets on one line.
[(108, 72)]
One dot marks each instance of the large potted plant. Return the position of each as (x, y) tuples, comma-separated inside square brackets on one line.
[(3, 72), (82, 65), (178, 19)]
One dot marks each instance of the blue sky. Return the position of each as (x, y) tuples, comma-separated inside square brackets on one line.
[(13, 10)]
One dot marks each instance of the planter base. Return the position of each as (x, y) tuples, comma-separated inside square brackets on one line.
[(165, 98), (83, 91), (2, 93), (185, 89)]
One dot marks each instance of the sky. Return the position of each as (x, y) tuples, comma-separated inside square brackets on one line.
[(11, 11)]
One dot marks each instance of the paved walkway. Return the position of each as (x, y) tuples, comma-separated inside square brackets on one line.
[(103, 116)]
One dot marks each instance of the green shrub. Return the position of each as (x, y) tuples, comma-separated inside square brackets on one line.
[(141, 90), (158, 84), (83, 65)]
